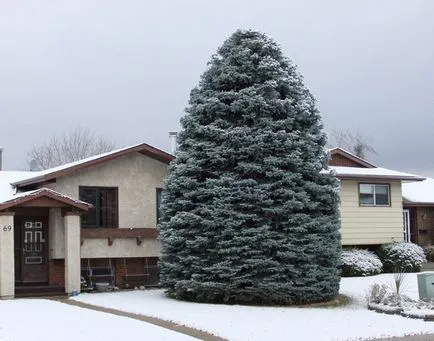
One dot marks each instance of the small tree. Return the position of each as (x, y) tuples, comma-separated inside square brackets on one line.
[(355, 143), (248, 215), (74, 145)]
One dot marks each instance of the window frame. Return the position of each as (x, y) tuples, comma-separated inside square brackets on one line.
[(98, 206), (389, 194)]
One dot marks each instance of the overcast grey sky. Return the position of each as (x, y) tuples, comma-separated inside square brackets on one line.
[(125, 68)]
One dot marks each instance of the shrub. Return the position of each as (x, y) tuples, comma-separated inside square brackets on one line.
[(401, 256), (377, 293), (357, 262)]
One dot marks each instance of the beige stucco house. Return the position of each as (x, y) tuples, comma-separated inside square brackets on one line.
[(95, 218), (371, 200)]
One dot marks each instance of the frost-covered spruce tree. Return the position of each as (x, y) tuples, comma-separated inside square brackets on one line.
[(248, 216)]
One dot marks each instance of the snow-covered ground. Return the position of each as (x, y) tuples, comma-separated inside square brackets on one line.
[(352, 322), (37, 319)]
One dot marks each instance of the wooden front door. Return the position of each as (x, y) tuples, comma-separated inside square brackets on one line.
[(34, 249)]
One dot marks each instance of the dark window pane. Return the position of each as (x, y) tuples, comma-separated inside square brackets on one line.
[(382, 195), (109, 207), (89, 195), (159, 194), (366, 199)]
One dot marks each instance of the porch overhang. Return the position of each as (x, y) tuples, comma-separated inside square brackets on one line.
[(44, 197), (409, 204)]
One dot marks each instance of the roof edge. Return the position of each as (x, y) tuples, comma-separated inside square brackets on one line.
[(143, 148), (351, 156), (44, 192)]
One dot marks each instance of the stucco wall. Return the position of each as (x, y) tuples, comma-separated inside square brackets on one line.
[(370, 225), (137, 177), (7, 261), (125, 248), (56, 234)]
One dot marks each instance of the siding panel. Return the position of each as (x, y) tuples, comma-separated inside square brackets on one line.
[(370, 225)]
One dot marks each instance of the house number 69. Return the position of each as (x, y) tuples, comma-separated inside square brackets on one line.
[(7, 228)]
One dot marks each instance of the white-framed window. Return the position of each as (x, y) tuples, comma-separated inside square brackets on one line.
[(374, 194)]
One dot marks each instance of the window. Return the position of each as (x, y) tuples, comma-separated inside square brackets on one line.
[(159, 193), (374, 195), (104, 212)]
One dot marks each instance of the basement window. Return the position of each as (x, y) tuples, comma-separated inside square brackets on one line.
[(374, 194)]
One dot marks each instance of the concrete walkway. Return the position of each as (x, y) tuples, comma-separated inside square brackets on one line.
[(198, 334)]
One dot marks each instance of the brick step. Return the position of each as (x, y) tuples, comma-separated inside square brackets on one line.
[(39, 290)]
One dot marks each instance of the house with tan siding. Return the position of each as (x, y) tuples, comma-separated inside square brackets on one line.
[(371, 203)]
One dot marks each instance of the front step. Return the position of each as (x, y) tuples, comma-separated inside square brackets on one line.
[(39, 290)]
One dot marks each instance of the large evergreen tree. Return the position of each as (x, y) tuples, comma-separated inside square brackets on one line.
[(248, 214)]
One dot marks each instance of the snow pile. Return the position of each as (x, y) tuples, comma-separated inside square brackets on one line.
[(357, 262), (37, 319), (403, 256)]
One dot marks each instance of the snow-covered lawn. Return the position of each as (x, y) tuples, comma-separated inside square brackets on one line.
[(351, 322), (38, 319)]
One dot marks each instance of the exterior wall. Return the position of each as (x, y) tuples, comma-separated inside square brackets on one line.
[(7, 258), (370, 225), (341, 160), (56, 234), (56, 272), (137, 177), (72, 253), (121, 247), (122, 266), (425, 225)]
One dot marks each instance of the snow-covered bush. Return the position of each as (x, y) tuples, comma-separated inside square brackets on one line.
[(377, 293), (401, 256), (357, 262)]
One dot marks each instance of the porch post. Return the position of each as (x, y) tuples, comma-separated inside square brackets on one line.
[(7, 256), (72, 252)]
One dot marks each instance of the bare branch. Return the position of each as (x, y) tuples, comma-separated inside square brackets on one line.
[(357, 144), (74, 145)]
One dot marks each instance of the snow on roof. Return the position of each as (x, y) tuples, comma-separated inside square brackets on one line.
[(377, 172), (7, 191), (154, 152), (420, 192), (36, 192), (37, 175), (7, 178)]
